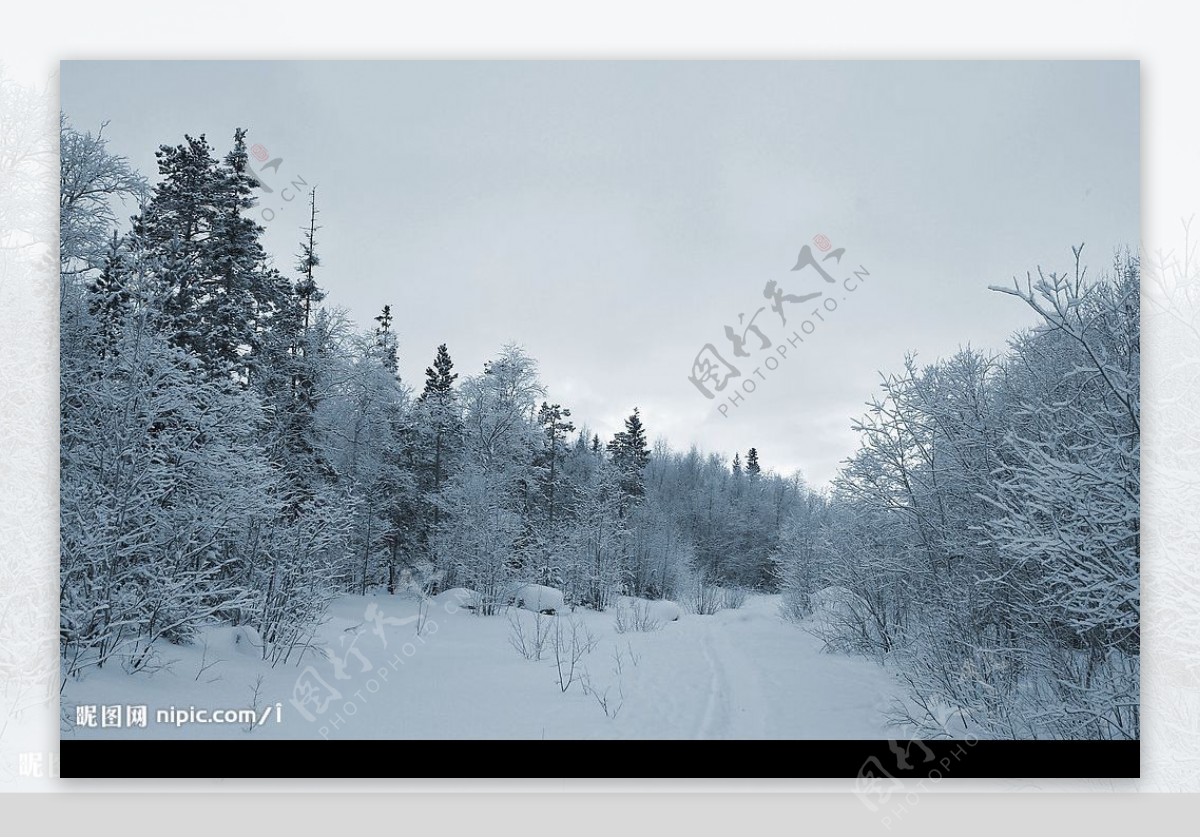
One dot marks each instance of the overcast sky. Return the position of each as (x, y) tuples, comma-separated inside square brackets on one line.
[(613, 218)]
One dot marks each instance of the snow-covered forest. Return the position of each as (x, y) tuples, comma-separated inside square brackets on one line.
[(236, 454)]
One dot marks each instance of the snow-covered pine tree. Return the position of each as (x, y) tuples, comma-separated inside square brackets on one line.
[(109, 298), (555, 422), (374, 460), (307, 289), (439, 429), (387, 346), (630, 452), (752, 467), (196, 236)]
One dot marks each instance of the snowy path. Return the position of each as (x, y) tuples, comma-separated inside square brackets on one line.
[(738, 674), (748, 674)]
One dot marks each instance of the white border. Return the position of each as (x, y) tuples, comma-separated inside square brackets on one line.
[(1162, 36)]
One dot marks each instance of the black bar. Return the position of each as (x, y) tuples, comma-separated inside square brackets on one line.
[(868, 760)]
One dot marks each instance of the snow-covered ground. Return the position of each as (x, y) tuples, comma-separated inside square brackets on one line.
[(738, 674)]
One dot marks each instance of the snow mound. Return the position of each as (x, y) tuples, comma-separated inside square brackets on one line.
[(539, 598), (247, 639), (659, 610), (458, 598)]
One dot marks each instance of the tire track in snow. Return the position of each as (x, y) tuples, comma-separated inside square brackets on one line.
[(745, 702), (714, 722)]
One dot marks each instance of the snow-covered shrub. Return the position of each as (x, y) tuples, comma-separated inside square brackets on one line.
[(844, 621), (636, 614), (159, 520), (479, 543), (733, 597), (572, 640), (528, 633), (987, 529), (703, 596), (795, 605)]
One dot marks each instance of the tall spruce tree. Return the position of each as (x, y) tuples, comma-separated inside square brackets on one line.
[(439, 429), (630, 454), (109, 297), (196, 236), (307, 290), (752, 467), (290, 378), (171, 233), (439, 378), (386, 344), (380, 475), (554, 420)]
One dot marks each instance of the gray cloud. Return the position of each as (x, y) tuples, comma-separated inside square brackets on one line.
[(614, 217)]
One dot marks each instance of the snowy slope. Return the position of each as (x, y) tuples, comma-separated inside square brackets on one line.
[(736, 674)]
